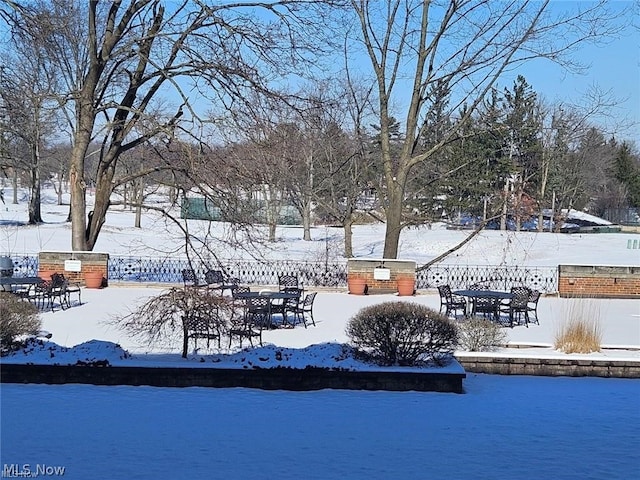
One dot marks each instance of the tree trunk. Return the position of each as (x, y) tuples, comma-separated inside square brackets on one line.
[(543, 188), (272, 232), (139, 199), (395, 197), (77, 188), (518, 209), (35, 214), (505, 201), (348, 236), (104, 189), (60, 185), (306, 221), (14, 181), (185, 337)]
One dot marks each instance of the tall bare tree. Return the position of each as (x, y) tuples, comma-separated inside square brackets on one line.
[(465, 45), (130, 53), (28, 90)]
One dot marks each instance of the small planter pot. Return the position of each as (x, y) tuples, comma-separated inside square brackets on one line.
[(93, 279), (46, 274), (357, 285), (406, 287)]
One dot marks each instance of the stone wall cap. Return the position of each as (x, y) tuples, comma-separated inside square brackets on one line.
[(368, 259), (73, 251), (597, 265)]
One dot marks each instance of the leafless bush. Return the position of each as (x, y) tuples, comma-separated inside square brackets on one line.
[(17, 318), (481, 335), (580, 332), (167, 315), (403, 333)]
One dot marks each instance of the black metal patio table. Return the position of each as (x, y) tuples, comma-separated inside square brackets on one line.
[(270, 295), (494, 295), (499, 295), (18, 281)]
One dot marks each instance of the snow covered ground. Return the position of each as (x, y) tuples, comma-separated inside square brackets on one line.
[(501, 428), (158, 237)]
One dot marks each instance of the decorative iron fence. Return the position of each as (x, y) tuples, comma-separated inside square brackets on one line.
[(544, 279), (314, 274), (24, 265)]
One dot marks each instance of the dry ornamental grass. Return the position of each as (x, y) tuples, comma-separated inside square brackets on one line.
[(581, 331)]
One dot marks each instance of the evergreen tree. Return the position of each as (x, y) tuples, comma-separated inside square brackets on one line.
[(627, 172)]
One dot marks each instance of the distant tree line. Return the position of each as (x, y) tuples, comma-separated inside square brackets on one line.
[(236, 102)]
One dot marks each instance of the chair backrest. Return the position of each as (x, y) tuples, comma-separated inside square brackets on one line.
[(308, 300), (189, 277), (445, 292), (520, 297), (57, 280), (202, 320), (214, 277), (296, 290), (258, 303), (534, 296), (287, 281), (478, 286), (520, 290), (239, 289)]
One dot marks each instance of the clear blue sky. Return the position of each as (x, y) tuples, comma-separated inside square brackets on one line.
[(614, 67)]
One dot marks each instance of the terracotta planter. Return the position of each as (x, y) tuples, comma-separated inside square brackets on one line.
[(357, 285), (406, 286), (46, 274), (93, 279)]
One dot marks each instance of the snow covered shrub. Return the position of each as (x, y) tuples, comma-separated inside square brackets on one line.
[(17, 318), (581, 331), (403, 333), (480, 335)]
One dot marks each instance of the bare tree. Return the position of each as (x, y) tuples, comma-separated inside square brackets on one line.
[(28, 91), (128, 54), (343, 172), (467, 45), (171, 314)]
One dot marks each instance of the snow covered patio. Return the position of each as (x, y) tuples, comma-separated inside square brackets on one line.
[(94, 320)]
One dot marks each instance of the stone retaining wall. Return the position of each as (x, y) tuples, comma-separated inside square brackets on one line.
[(551, 367), (266, 378)]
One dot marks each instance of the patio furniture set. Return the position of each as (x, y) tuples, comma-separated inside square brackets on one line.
[(251, 311), (517, 306), (44, 293)]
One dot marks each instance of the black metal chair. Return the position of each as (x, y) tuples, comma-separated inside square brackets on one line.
[(203, 323), (190, 278), (214, 278), (484, 306), (518, 307), (532, 306), (304, 310), (287, 281), (287, 305), (451, 303), (41, 294), (249, 325), (66, 290)]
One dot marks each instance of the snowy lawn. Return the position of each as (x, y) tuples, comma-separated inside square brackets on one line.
[(502, 428)]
